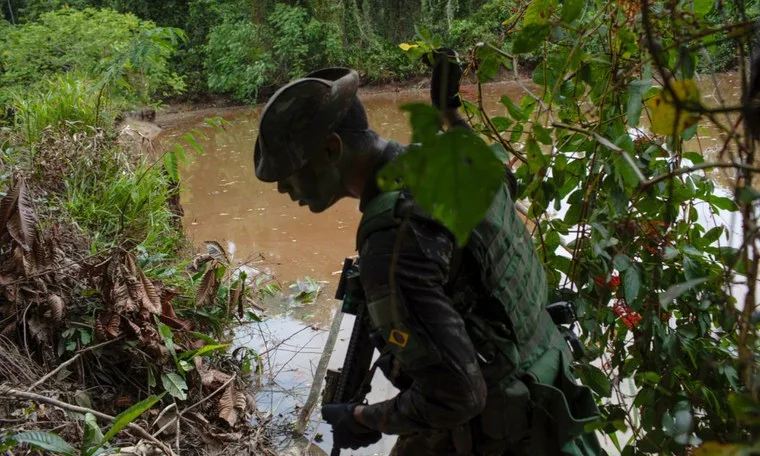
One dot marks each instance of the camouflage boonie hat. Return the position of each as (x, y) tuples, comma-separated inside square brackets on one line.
[(298, 119)]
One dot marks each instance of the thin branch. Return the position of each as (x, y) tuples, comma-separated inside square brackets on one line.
[(180, 414), (608, 144), (102, 344), (75, 408), (54, 372), (691, 169), (316, 386)]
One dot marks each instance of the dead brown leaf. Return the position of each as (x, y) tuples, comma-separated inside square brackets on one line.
[(38, 329), (22, 222), (217, 252), (227, 436), (208, 288), (121, 300), (8, 204), (150, 298), (10, 328), (235, 299), (113, 325), (170, 318), (57, 308), (232, 404)]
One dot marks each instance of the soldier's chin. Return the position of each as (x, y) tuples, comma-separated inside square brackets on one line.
[(321, 206)]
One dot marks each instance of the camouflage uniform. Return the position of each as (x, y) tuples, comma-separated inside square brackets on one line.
[(459, 394)]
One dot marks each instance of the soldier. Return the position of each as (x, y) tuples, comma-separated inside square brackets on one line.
[(464, 334)]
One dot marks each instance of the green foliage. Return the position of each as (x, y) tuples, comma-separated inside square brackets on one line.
[(238, 61), (41, 440), (651, 277), (242, 57), (126, 417), (484, 24), (174, 385), (93, 437), (131, 55), (453, 175), (66, 103), (111, 204), (302, 43)]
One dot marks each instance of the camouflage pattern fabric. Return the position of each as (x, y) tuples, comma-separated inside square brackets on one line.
[(298, 118), (464, 341)]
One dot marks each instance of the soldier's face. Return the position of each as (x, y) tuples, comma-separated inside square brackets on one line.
[(317, 185)]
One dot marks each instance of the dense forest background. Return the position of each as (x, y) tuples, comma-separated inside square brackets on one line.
[(239, 47)]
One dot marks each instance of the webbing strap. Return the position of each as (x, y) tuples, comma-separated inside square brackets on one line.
[(543, 329), (378, 215)]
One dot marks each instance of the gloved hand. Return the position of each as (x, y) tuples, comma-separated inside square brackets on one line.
[(447, 74), (347, 432)]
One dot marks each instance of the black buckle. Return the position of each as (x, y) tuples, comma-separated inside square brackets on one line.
[(561, 313)]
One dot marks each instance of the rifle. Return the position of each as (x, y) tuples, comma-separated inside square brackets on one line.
[(351, 383)]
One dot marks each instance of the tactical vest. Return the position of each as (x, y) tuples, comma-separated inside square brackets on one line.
[(509, 266), (522, 338)]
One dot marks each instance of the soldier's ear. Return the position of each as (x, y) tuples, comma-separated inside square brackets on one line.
[(334, 147)]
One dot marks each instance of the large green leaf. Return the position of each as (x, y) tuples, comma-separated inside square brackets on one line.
[(677, 290), (425, 120), (174, 385), (536, 158), (529, 38), (669, 110), (168, 337), (453, 175), (537, 13), (123, 419), (516, 112), (595, 379), (45, 441), (631, 284), (93, 437), (571, 9), (171, 166), (636, 92), (703, 7), (490, 60), (206, 349)]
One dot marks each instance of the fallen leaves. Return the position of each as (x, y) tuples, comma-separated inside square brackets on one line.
[(232, 404)]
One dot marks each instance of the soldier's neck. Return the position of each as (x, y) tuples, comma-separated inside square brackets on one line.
[(365, 166)]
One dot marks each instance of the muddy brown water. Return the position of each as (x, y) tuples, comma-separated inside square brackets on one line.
[(224, 201)]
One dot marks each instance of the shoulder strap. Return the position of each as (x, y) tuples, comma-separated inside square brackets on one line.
[(381, 213), (378, 215)]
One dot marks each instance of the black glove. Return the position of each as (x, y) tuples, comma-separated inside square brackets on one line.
[(447, 74), (347, 432)]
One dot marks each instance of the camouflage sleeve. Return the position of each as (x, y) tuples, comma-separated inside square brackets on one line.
[(405, 269)]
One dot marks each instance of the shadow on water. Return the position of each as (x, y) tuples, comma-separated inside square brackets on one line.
[(224, 201)]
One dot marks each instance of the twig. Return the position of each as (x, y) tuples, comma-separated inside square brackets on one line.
[(177, 438), (54, 372), (691, 169), (319, 376), (163, 412), (216, 391), (75, 408), (180, 414), (102, 344)]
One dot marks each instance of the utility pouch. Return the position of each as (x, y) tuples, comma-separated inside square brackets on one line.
[(505, 417), (561, 407)]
